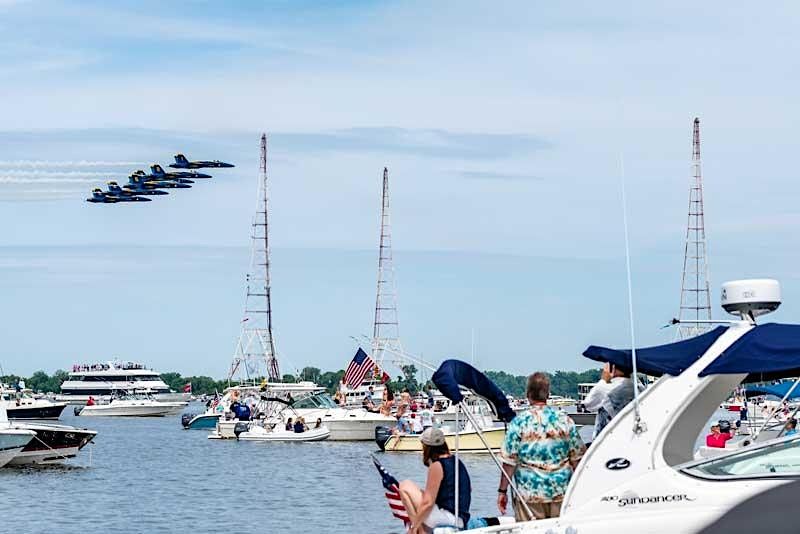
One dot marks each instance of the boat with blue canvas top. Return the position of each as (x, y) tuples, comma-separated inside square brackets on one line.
[(640, 473)]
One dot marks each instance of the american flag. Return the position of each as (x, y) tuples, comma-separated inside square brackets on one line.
[(393, 494), (358, 369)]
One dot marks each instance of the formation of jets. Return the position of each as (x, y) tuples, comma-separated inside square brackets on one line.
[(142, 185)]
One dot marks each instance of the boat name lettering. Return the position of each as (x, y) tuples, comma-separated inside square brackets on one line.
[(655, 499)]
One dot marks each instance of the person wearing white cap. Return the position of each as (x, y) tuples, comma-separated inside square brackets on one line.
[(435, 505)]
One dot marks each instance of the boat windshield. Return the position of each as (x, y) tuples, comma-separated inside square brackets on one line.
[(777, 459), (317, 400)]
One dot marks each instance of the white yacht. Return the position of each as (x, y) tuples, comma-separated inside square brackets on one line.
[(639, 475), (101, 380), (345, 424), (249, 394), (52, 444), (132, 406), (21, 403)]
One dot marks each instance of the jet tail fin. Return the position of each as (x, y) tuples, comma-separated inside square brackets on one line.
[(181, 159), (156, 170)]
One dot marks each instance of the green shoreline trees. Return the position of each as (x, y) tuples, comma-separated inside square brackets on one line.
[(563, 383)]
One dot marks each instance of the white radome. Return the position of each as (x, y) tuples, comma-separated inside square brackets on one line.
[(751, 298)]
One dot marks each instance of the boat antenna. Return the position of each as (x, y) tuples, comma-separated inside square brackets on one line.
[(638, 425)]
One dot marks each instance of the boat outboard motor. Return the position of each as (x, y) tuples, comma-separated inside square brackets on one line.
[(240, 427), (382, 435), (77, 410)]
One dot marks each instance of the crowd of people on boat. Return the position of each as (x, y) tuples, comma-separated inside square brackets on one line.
[(83, 367), (298, 426), (540, 451)]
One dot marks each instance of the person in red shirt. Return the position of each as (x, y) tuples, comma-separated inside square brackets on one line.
[(716, 438), (90, 402)]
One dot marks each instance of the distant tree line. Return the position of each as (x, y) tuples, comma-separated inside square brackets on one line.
[(561, 382), (564, 383)]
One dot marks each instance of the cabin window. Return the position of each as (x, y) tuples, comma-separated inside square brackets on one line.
[(776, 459)]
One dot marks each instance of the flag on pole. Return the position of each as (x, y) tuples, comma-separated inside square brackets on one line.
[(358, 369), (187, 388), (392, 493)]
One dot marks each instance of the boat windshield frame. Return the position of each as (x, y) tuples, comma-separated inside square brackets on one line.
[(320, 400), (713, 468)]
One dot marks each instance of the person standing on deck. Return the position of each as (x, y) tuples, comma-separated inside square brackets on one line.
[(541, 450), (609, 396)]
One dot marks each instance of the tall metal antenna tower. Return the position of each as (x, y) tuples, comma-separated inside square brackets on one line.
[(386, 331), (255, 353), (695, 293)]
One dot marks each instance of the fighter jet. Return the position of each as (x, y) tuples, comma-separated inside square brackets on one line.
[(101, 197), (136, 179), (157, 171), (138, 188), (153, 178), (182, 163)]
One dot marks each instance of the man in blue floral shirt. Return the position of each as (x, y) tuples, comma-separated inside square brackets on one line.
[(541, 449)]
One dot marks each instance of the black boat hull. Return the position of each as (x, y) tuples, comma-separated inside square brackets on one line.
[(52, 444), (36, 412)]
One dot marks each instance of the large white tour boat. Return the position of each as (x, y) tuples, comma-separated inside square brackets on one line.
[(101, 380)]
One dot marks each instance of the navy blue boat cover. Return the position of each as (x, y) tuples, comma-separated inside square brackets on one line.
[(766, 352), (671, 359), (778, 390), (454, 373)]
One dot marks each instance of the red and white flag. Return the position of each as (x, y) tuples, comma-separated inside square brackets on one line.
[(187, 388)]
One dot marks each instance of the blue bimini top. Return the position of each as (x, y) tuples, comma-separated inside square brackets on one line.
[(671, 359), (454, 373), (778, 390), (766, 352)]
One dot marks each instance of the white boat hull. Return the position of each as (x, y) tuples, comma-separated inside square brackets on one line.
[(148, 409), (258, 433), (55, 456), (78, 399), (357, 427), (12, 441)]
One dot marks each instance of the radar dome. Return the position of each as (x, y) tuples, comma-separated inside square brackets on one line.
[(751, 298)]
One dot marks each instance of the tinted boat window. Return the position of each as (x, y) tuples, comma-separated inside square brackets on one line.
[(781, 458)]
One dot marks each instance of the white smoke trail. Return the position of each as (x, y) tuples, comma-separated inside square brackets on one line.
[(37, 195), (74, 164), (20, 173), (46, 180)]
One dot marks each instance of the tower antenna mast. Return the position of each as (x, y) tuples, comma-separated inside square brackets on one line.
[(695, 292), (255, 352), (386, 332)]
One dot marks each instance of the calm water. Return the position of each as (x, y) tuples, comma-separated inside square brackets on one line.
[(150, 475)]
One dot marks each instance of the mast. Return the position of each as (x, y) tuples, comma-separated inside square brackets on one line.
[(695, 292), (255, 353), (385, 332)]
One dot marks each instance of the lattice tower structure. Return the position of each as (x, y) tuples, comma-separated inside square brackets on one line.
[(695, 289), (386, 331), (255, 356)]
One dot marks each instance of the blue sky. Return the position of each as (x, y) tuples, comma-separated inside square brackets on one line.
[(501, 125)]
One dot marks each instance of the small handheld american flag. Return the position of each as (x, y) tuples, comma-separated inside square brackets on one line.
[(393, 494), (358, 369)]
